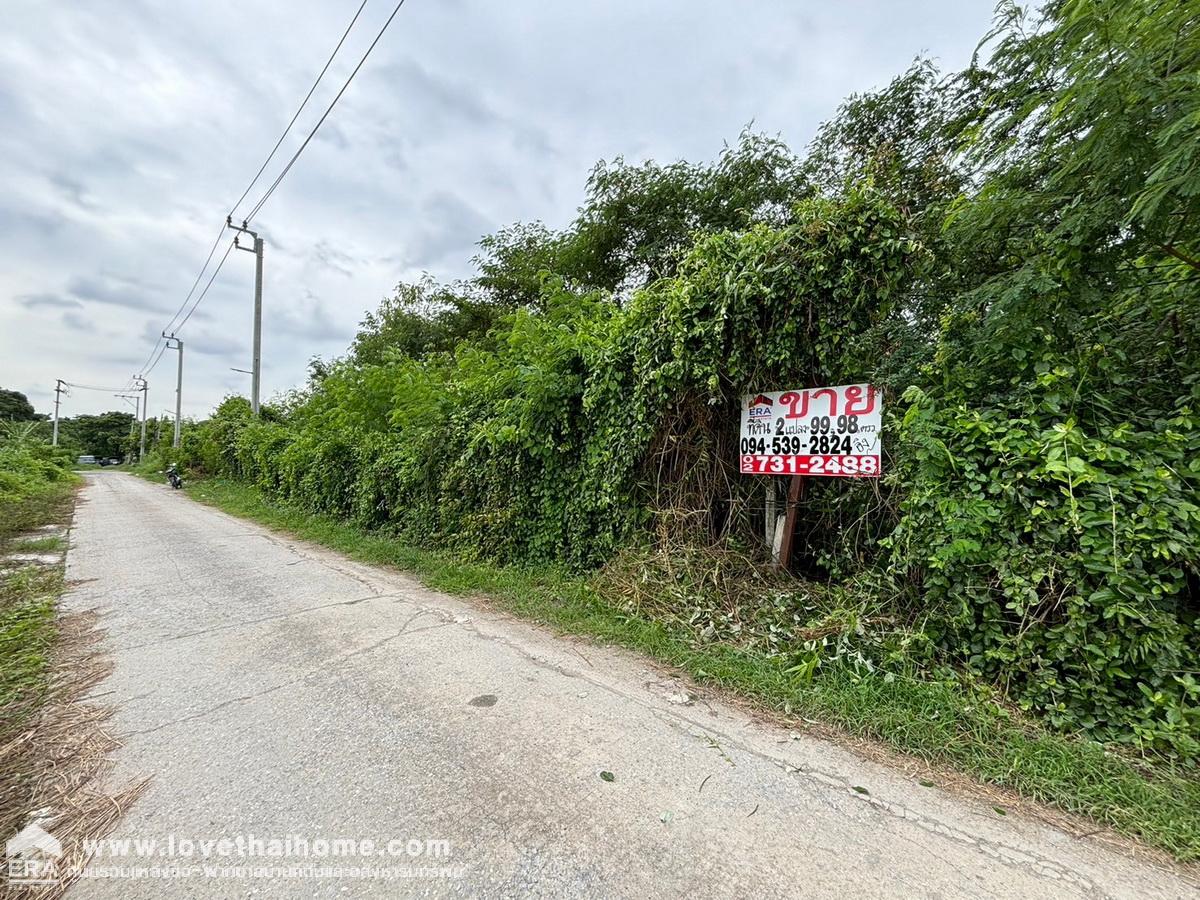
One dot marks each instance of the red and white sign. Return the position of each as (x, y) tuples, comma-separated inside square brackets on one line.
[(834, 431)]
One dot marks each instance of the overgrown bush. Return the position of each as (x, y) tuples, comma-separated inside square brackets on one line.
[(33, 477), (1008, 253), (1061, 562)]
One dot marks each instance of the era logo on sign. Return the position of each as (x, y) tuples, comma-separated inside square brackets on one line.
[(33, 856), (761, 407)]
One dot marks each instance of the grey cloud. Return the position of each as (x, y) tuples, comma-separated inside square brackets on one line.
[(73, 190), (202, 341), (10, 107), (114, 292), (208, 343), (308, 320), (442, 96), (334, 259), (48, 301), (445, 103), (42, 224), (452, 225), (394, 157), (124, 359), (77, 322), (468, 115), (331, 134)]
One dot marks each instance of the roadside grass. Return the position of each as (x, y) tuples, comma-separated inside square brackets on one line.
[(54, 749), (28, 595), (38, 506), (27, 636), (940, 722), (49, 544)]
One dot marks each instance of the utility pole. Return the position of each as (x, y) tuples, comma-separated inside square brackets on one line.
[(178, 387), (256, 364), (58, 389), (135, 398), (142, 385)]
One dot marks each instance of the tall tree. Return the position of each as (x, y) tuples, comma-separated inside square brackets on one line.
[(15, 407)]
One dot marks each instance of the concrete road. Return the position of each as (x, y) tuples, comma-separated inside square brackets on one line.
[(274, 690)]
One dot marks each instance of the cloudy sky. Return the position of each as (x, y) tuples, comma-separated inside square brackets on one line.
[(131, 126)]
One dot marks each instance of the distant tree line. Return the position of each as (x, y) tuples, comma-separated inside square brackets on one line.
[(105, 435)]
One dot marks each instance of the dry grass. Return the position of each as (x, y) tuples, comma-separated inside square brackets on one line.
[(54, 770)]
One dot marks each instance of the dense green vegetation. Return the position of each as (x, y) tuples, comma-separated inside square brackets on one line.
[(27, 637), (35, 479), (36, 484), (15, 407), (109, 434), (105, 435), (1008, 252)]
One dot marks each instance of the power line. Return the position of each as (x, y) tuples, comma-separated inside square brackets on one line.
[(324, 116), (303, 103), (91, 387), (212, 277), (156, 359), (173, 324), (183, 305), (141, 368)]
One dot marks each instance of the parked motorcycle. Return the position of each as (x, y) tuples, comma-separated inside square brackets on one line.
[(173, 478)]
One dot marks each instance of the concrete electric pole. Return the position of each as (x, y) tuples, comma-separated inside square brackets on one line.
[(58, 389), (142, 385), (178, 388), (135, 398), (256, 363)]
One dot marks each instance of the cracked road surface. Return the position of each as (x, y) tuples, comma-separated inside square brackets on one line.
[(276, 689)]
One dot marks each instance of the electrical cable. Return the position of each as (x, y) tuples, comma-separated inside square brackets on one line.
[(90, 387), (156, 359), (324, 116), (183, 321), (188, 298), (174, 323), (303, 103)]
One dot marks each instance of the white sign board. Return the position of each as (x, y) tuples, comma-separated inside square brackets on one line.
[(834, 431)]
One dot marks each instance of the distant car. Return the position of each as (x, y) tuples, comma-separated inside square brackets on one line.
[(114, 461), (103, 461), (88, 460)]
